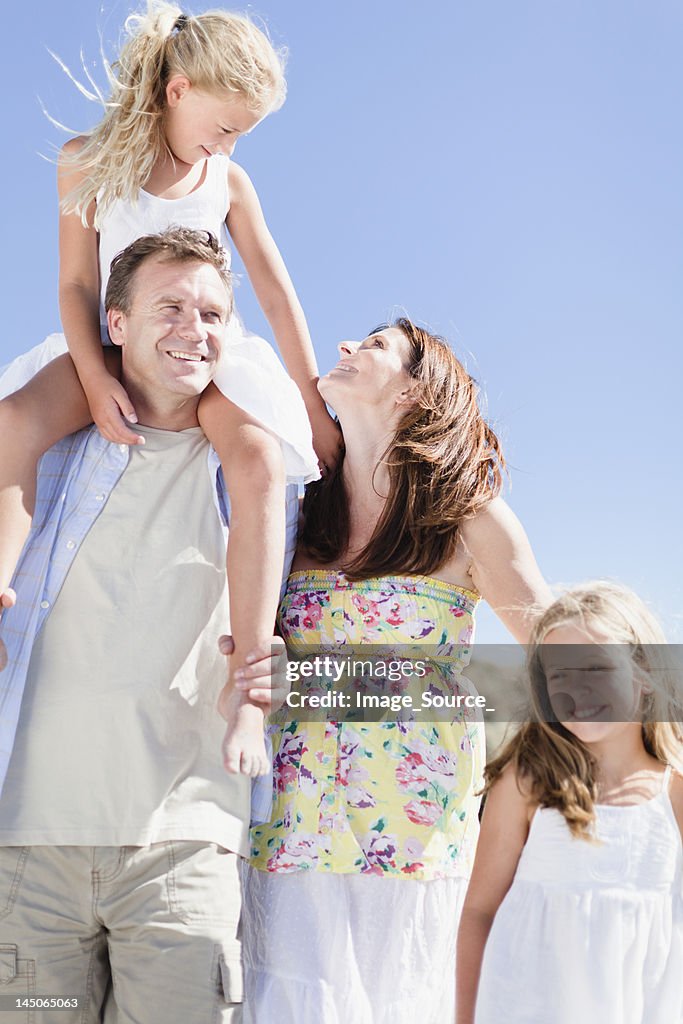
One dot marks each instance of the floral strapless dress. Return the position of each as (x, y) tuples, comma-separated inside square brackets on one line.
[(352, 898)]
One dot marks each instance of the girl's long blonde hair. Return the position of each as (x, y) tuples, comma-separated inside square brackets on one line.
[(556, 768), (219, 52)]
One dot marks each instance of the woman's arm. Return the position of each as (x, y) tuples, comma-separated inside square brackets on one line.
[(504, 830), (79, 303), (503, 568), (276, 295)]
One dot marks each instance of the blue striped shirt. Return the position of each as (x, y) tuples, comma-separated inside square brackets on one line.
[(75, 478)]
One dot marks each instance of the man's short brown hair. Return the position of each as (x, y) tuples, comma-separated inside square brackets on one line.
[(174, 245)]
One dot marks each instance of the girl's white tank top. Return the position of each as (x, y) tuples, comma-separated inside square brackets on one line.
[(204, 209)]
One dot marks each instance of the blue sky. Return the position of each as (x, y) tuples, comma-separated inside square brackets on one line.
[(509, 174)]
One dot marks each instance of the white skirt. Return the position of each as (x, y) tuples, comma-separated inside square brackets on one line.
[(249, 374), (348, 949)]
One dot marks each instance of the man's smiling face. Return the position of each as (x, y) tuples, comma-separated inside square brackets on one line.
[(173, 334)]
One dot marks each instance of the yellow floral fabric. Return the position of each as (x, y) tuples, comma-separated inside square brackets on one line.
[(389, 797)]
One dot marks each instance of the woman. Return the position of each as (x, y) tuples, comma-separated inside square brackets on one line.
[(352, 899)]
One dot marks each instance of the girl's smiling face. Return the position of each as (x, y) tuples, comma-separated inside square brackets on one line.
[(199, 124), (594, 685)]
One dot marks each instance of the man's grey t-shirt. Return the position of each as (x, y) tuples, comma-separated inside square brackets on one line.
[(119, 740)]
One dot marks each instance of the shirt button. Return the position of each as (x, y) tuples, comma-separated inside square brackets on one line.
[(99, 497), (44, 604), (63, 497), (71, 544), (123, 447)]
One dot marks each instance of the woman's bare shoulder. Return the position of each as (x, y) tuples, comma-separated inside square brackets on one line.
[(495, 522)]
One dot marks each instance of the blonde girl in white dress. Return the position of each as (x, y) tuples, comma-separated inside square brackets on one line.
[(575, 908), (184, 90)]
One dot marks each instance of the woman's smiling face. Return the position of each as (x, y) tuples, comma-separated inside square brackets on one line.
[(372, 372), (594, 685)]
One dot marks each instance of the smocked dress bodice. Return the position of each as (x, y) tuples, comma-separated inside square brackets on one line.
[(381, 797), (638, 850)]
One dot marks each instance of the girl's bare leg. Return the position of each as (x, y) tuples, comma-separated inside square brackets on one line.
[(254, 475), (49, 407)]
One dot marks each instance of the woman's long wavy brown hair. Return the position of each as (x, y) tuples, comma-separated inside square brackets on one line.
[(444, 463), (552, 765)]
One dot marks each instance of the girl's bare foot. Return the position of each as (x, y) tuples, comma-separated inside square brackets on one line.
[(244, 748)]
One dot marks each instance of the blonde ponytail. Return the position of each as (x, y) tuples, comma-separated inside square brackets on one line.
[(217, 51)]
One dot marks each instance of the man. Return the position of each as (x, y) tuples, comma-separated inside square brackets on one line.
[(119, 828)]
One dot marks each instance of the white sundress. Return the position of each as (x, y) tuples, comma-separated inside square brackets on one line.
[(250, 373), (588, 933)]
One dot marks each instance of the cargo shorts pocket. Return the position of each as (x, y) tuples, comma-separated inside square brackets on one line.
[(229, 991), (12, 863), (231, 980), (202, 885), (17, 982)]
